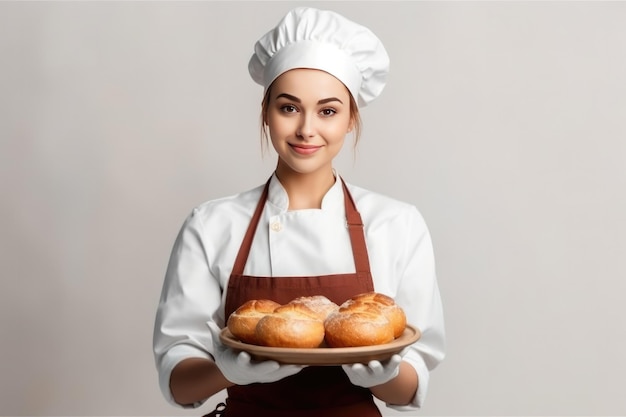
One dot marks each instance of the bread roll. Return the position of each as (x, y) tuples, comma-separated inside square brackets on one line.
[(243, 321), (366, 319), (292, 325), (321, 305), (393, 312), (357, 325)]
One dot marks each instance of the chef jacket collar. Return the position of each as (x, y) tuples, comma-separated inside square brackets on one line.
[(332, 201)]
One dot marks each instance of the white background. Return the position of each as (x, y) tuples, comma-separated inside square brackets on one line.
[(503, 122)]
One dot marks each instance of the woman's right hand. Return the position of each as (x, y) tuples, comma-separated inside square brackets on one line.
[(240, 369)]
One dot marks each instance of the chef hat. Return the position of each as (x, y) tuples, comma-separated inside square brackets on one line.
[(324, 40)]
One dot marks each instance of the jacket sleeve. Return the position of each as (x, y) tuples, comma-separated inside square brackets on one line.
[(418, 294), (189, 298)]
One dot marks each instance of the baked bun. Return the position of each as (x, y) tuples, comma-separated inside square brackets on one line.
[(365, 320), (388, 308), (321, 305), (291, 325), (357, 325), (243, 321)]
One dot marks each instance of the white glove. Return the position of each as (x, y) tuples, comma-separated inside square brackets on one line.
[(374, 373), (240, 369)]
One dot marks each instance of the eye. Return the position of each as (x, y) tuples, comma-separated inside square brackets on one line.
[(328, 112), (288, 108)]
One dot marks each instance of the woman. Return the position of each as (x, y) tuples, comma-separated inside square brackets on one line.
[(300, 234)]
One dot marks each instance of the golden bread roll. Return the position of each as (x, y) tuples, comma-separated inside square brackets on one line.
[(321, 305), (291, 325), (393, 312), (243, 321), (357, 325), (366, 319)]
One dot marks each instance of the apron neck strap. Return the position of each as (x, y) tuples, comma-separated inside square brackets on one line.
[(353, 222), (356, 231)]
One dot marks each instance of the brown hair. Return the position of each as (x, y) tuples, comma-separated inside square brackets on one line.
[(355, 118)]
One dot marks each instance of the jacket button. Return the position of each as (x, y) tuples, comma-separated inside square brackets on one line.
[(276, 227)]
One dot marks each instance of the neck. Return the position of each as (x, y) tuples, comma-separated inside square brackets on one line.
[(305, 191)]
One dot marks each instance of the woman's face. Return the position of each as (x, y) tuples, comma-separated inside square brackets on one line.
[(308, 117)]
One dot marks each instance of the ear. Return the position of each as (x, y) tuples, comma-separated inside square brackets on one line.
[(350, 125), (265, 118)]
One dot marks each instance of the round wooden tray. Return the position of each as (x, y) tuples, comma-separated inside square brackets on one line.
[(324, 355)]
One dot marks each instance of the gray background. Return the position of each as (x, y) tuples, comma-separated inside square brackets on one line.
[(503, 122)]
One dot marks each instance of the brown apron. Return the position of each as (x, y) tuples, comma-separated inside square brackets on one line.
[(316, 390)]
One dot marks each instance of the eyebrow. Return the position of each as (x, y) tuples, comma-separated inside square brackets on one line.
[(297, 100)]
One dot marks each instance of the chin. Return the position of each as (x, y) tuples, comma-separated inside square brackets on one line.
[(303, 169)]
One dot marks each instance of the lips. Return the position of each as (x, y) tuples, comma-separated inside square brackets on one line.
[(304, 149)]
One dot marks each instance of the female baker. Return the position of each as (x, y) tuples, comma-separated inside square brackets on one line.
[(300, 234)]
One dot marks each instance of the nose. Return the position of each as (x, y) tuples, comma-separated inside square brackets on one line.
[(306, 127)]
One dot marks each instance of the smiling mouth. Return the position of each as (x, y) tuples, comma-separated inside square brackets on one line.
[(304, 149)]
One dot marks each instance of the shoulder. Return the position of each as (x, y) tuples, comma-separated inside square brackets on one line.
[(228, 208), (375, 205), (389, 220), (382, 214)]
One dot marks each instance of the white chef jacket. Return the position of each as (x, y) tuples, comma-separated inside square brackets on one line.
[(296, 243)]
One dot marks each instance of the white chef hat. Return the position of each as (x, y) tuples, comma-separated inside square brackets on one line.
[(324, 40)]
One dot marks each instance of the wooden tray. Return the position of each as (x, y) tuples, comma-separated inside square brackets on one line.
[(324, 355)]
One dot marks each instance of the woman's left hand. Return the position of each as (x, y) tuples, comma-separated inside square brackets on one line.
[(374, 373)]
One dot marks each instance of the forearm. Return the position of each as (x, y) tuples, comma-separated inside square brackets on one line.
[(401, 389), (196, 379)]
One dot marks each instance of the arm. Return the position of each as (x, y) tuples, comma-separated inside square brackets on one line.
[(195, 379), (417, 292), (190, 298), (401, 389)]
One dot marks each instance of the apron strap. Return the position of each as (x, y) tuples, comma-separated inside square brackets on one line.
[(246, 244), (356, 231), (353, 221), (219, 411)]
